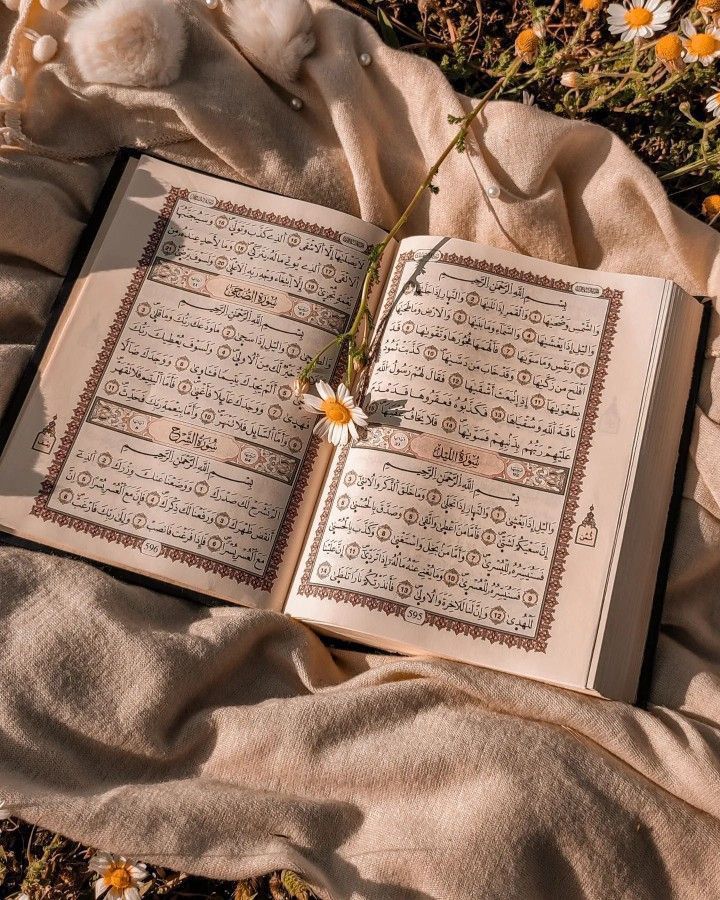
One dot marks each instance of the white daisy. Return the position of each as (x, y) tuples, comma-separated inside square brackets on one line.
[(118, 877), (702, 46), (638, 18), (340, 414), (712, 104)]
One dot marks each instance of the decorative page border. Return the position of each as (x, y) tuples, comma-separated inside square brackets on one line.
[(40, 507), (538, 643)]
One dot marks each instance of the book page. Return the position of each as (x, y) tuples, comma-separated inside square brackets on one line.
[(161, 434), (478, 515)]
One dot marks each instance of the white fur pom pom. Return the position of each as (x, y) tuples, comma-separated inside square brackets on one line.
[(54, 5), (44, 48), (12, 88), (274, 35), (12, 5), (130, 42)]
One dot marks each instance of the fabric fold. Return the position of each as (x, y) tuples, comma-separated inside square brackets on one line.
[(229, 742)]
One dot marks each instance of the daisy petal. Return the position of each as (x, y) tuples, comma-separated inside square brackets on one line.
[(325, 391), (314, 404), (131, 893), (342, 392), (353, 430), (138, 872), (100, 862), (321, 428), (615, 9)]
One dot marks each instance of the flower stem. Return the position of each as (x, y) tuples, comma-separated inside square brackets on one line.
[(357, 353), (708, 160)]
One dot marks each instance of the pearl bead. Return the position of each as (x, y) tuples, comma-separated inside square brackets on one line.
[(365, 59), (493, 191), (44, 48), (12, 88), (54, 5), (212, 4), (296, 104)]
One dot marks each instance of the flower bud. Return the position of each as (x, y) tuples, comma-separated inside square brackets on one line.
[(300, 386), (668, 51), (571, 80), (527, 44), (711, 206)]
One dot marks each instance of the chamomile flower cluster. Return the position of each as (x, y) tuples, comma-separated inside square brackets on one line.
[(696, 42), (667, 37)]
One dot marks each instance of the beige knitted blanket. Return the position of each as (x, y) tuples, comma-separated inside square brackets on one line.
[(229, 742)]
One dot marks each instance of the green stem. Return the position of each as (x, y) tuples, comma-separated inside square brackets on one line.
[(709, 160), (379, 251), (318, 356)]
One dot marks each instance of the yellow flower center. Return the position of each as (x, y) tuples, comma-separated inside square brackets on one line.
[(590, 5), (702, 45), (118, 877), (669, 47), (638, 16), (337, 412), (708, 5), (711, 205), (527, 42)]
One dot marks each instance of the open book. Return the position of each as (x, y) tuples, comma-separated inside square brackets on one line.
[(507, 504)]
